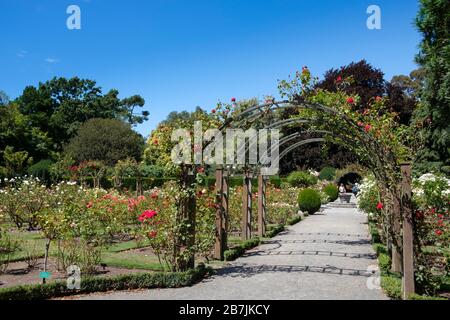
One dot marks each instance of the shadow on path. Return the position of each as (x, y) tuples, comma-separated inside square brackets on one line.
[(247, 271)]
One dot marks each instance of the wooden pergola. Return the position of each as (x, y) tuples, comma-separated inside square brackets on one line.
[(404, 255)]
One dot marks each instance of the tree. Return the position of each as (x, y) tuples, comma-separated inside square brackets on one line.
[(432, 117), (106, 140), (4, 99), (15, 162), (61, 105), (403, 93), (366, 81), (412, 84), (16, 133)]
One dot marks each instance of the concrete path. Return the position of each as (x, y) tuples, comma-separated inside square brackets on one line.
[(326, 256)]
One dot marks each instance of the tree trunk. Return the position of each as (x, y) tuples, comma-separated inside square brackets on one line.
[(47, 247)]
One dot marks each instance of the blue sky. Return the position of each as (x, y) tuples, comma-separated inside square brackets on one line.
[(182, 54)]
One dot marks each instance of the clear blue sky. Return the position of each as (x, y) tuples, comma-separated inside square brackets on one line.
[(182, 54)]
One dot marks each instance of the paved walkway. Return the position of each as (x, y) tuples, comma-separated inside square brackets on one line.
[(326, 256)]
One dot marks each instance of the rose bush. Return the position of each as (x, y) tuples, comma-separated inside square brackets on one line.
[(431, 198)]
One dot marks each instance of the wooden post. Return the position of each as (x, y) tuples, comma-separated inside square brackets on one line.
[(261, 206), (187, 214), (408, 232), (221, 214), (396, 258), (225, 199), (246, 206)]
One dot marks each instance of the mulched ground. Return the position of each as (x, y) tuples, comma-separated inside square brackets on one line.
[(19, 274)]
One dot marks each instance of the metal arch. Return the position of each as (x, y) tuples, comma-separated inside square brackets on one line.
[(285, 122), (278, 124), (284, 140), (298, 144), (273, 105), (284, 104)]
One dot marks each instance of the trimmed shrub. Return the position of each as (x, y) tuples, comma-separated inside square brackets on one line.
[(301, 179), (309, 200), (331, 191), (275, 230), (327, 173), (392, 286), (420, 297), (375, 234), (384, 260), (380, 248), (294, 220), (41, 170), (275, 181), (236, 252)]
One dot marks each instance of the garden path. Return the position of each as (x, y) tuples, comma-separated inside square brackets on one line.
[(326, 256)]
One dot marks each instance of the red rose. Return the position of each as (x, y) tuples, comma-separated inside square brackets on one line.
[(154, 195), (350, 100), (233, 99), (152, 234), (339, 79), (367, 127), (213, 110), (201, 170), (147, 214), (380, 206), (438, 232)]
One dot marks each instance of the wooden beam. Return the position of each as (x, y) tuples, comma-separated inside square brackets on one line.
[(396, 257), (218, 254), (225, 201), (246, 206), (408, 233), (221, 213), (261, 205)]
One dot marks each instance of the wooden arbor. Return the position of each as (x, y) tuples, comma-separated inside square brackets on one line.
[(403, 254), (222, 198)]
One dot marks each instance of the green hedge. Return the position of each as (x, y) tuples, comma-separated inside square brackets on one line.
[(275, 230), (294, 220), (420, 297), (121, 282), (236, 252), (384, 260), (375, 235), (392, 285)]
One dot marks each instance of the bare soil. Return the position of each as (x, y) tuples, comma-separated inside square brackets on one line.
[(18, 273)]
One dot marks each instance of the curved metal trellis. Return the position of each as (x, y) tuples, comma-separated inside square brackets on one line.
[(254, 113)]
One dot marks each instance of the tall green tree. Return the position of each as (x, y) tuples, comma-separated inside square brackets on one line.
[(16, 132), (432, 117), (61, 105), (106, 140), (4, 99)]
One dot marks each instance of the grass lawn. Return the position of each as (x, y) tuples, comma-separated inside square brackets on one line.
[(117, 255)]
